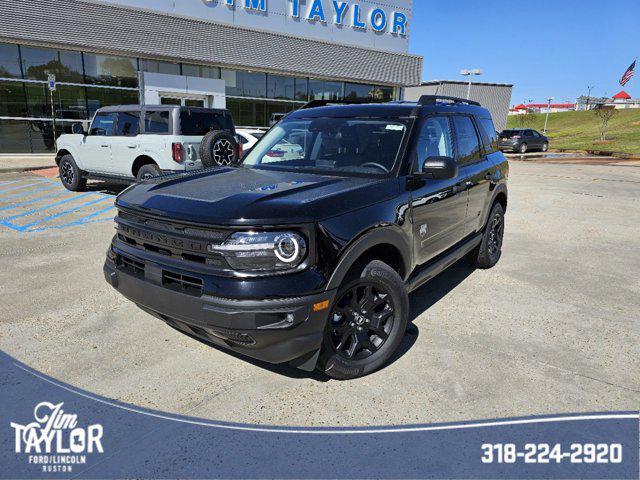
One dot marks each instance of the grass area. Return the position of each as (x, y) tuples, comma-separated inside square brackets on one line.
[(581, 131)]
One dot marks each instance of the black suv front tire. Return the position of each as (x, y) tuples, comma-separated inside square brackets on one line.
[(366, 324)]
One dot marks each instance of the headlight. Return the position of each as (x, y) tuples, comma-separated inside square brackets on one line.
[(263, 251)]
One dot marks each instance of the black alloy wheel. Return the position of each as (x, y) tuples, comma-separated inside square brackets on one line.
[(70, 175), (361, 321), (496, 233), (366, 324), (67, 174), (488, 253)]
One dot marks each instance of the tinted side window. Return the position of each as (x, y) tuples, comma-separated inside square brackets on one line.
[(489, 136), (156, 122), (467, 140), (128, 124), (193, 122), (434, 140), (104, 124)]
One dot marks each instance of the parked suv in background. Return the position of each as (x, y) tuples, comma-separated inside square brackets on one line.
[(134, 142), (523, 141), (309, 259)]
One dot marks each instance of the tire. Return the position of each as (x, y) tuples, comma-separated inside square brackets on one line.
[(148, 171), (545, 147), (523, 148), (488, 253), (218, 148), (70, 175), (352, 347)]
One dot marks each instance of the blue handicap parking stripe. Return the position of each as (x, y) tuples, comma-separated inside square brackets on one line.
[(33, 200), (81, 221), (47, 207), (28, 192), (60, 214), (18, 187)]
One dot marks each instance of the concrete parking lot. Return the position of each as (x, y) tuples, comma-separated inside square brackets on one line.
[(554, 328)]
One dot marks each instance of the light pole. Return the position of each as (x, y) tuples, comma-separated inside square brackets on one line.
[(546, 120), (589, 88), (470, 74)]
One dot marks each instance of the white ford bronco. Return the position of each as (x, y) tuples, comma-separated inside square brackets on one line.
[(135, 142)]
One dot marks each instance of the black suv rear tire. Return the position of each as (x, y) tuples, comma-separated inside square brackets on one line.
[(70, 175), (218, 149), (490, 249), (367, 323)]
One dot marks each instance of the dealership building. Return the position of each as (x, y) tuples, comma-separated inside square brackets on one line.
[(257, 58)]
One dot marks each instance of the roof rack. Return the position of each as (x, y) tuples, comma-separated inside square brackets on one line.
[(433, 99), (324, 103)]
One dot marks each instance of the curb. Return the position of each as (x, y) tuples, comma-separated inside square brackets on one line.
[(599, 153), (25, 169)]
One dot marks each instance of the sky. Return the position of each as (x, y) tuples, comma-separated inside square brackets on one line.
[(547, 48)]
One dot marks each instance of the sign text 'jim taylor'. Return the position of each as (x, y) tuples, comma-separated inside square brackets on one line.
[(54, 438), (340, 13)]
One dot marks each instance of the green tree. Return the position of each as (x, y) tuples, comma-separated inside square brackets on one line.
[(604, 114)]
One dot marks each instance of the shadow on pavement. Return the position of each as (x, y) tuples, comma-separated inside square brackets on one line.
[(105, 187)]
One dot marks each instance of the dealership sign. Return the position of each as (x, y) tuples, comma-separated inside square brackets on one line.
[(340, 13)]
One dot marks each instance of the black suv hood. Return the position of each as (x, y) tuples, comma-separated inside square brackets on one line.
[(241, 196)]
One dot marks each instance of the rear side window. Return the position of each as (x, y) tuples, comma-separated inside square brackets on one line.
[(156, 122), (194, 122), (128, 124), (467, 140), (103, 124), (489, 136)]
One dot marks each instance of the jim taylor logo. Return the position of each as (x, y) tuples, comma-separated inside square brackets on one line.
[(54, 440)]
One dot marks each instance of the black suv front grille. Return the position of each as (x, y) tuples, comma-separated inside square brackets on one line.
[(190, 243), (182, 283)]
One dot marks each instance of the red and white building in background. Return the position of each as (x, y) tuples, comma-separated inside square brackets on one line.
[(619, 101), (623, 100), (541, 108)]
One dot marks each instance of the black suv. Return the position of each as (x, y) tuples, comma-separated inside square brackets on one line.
[(523, 140), (306, 252)]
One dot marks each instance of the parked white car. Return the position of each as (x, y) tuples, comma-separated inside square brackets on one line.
[(134, 142), (249, 137)]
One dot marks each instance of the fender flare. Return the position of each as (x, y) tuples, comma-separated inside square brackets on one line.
[(501, 188), (372, 238)]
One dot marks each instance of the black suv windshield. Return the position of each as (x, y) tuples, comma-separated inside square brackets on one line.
[(343, 146), (198, 122)]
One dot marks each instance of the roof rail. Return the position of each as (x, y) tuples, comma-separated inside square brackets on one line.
[(433, 99), (324, 103)]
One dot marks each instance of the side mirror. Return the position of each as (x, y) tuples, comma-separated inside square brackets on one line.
[(440, 168), (77, 129)]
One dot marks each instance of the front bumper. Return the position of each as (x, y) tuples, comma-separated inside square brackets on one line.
[(274, 330)]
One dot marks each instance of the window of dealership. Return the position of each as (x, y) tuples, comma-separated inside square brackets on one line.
[(87, 81)]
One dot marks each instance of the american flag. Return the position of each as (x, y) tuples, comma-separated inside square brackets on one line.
[(628, 74)]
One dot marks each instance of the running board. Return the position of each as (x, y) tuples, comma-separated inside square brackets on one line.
[(433, 269)]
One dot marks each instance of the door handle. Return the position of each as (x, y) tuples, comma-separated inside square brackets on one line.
[(132, 146), (105, 146)]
